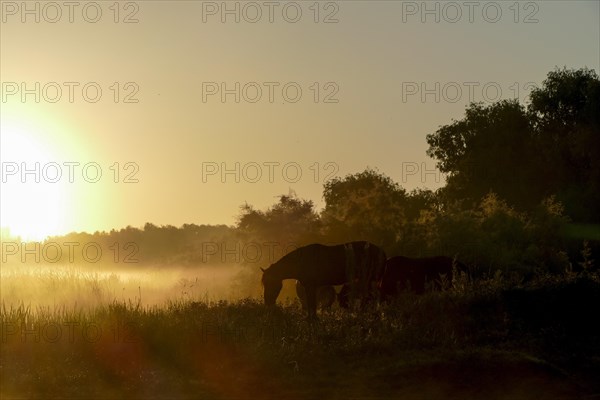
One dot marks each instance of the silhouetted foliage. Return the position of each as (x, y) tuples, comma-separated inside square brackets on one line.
[(487, 151), (552, 147), (364, 206), (567, 129), (291, 220)]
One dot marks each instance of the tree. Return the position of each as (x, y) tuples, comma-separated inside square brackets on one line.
[(491, 149), (364, 206), (291, 220), (567, 129), (525, 155), (419, 200)]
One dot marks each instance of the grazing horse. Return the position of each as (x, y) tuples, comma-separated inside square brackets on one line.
[(357, 264), (413, 273), (325, 296)]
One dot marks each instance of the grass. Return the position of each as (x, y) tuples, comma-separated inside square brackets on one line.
[(484, 339)]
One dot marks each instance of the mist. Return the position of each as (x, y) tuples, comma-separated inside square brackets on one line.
[(72, 287)]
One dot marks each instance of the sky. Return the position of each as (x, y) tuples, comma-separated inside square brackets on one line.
[(172, 112)]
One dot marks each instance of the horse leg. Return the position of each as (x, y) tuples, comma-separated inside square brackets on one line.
[(329, 294), (343, 299), (419, 285), (311, 300), (301, 293)]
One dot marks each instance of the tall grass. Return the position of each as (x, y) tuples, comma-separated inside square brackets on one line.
[(183, 343)]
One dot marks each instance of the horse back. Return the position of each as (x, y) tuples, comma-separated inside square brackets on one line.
[(318, 264), (321, 265)]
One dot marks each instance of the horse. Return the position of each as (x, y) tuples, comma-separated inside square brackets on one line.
[(359, 265), (413, 273), (325, 296)]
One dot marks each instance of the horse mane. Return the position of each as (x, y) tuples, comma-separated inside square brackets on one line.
[(266, 271), (262, 279)]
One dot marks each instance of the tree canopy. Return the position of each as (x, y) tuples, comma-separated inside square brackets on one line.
[(528, 153)]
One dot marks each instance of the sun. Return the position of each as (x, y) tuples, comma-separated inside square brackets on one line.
[(33, 202)]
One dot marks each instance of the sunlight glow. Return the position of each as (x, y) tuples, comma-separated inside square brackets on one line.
[(32, 205)]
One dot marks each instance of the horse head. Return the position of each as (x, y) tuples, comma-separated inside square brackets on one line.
[(272, 286)]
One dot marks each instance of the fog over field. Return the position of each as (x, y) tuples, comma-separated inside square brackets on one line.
[(72, 287)]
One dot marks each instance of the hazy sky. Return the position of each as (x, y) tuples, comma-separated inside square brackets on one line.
[(374, 81)]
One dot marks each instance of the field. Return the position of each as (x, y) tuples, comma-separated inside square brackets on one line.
[(76, 334)]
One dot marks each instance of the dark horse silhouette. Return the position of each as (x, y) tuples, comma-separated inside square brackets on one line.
[(413, 273), (325, 296), (358, 264)]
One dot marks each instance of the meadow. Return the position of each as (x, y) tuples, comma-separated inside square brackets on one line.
[(71, 333)]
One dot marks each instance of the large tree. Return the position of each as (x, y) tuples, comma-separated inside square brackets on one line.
[(291, 220), (566, 112), (364, 206), (490, 149), (526, 154)]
